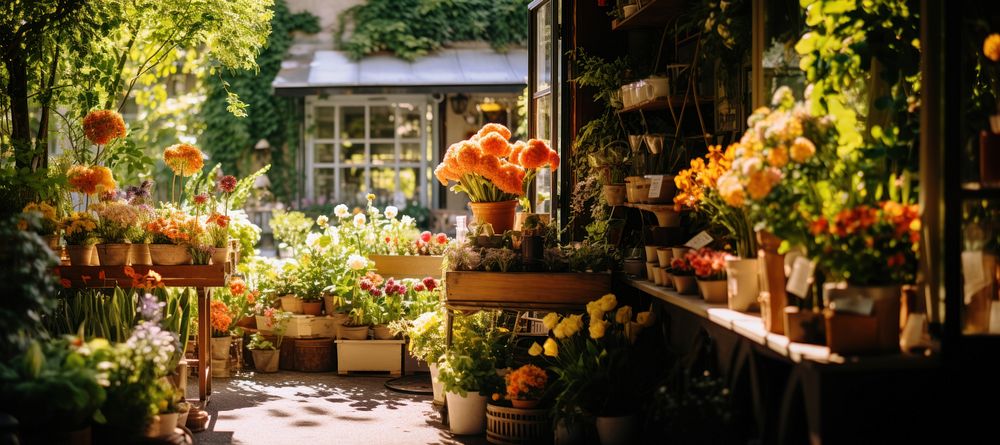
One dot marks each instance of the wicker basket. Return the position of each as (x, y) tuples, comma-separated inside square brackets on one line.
[(516, 426)]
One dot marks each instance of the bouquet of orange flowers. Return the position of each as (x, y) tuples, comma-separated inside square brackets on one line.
[(526, 383), (488, 168), (221, 319)]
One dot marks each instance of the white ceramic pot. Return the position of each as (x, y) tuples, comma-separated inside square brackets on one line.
[(168, 421), (264, 324), (617, 430), (466, 415), (436, 385), (743, 285), (659, 85)]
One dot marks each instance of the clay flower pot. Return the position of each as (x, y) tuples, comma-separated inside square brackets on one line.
[(498, 214), (220, 255), (116, 254), (80, 254), (713, 291), (169, 254), (614, 194), (312, 307), (140, 254), (685, 284)]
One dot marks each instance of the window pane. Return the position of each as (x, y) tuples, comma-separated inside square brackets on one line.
[(383, 123), (543, 48), (543, 118), (352, 185), (323, 153), (410, 125), (384, 183), (324, 184), (409, 152), (383, 154), (325, 119), (352, 152), (352, 122), (543, 191), (408, 182)]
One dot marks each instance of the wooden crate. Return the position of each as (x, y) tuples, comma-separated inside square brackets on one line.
[(370, 355), (524, 289), (408, 266)]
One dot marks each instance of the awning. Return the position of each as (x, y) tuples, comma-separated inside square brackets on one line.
[(445, 71)]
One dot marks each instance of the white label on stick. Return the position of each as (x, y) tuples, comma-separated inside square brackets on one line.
[(700, 240), (656, 183), (798, 281)]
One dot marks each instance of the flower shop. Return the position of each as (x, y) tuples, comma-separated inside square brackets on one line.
[(766, 222)]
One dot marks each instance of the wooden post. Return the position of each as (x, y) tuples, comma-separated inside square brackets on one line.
[(204, 344)]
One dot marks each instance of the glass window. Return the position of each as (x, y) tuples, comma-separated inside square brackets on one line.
[(383, 123), (543, 47), (409, 125), (352, 185), (326, 118), (352, 122), (409, 152), (324, 153), (326, 183), (383, 153)]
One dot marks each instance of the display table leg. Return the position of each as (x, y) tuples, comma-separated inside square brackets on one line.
[(204, 344)]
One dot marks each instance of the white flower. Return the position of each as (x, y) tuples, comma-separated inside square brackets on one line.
[(406, 220), (391, 212), (311, 239), (359, 220), (750, 165), (341, 211), (322, 220), (357, 262)]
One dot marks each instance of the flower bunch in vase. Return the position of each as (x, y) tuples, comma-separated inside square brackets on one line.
[(682, 274), (495, 173), (118, 225), (710, 271), (526, 385)]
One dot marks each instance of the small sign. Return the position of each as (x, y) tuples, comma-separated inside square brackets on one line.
[(854, 304), (656, 183), (801, 277), (973, 274), (700, 240)]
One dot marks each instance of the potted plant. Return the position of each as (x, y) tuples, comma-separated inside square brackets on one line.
[(494, 173), (48, 227), (682, 275), (139, 196), (467, 377), (427, 343), (710, 271), (221, 337), (532, 243), (116, 227), (169, 232), (78, 229), (525, 386), (265, 353), (290, 230)]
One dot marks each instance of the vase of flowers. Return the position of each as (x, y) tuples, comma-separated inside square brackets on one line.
[(221, 337), (710, 271), (78, 229), (494, 173), (682, 275), (525, 386), (169, 232), (116, 227)]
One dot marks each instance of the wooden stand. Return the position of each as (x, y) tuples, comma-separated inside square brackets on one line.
[(202, 278)]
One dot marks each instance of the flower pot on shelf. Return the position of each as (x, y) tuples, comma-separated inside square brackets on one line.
[(642, 190), (220, 368), (264, 324), (330, 304), (220, 255), (679, 251), (382, 332), (116, 254), (312, 307), (651, 272), (523, 404), (634, 267), (666, 277), (498, 214), (772, 282), (884, 302), (220, 347), (266, 360), (664, 194), (517, 425), (713, 291), (804, 325), (685, 284), (651, 254), (989, 157), (620, 430), (848, 333), (291, 303), (667, 217), (140, 254), (80, 254), (742, 283), (466, 415), (53, 242), (664, 255), (346, 332), (169, 254), (657, 276), (437, 388), (614, 194), (631, 185)]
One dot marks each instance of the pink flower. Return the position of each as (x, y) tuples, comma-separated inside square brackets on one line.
[(227, 183), (430, 283), (376, 292), (419, 287), (441, 238), (200, 199), (365, 284), (425, 237)]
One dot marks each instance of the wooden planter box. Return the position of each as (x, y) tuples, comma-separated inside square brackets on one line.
[(370, 355), (524, 289), (408, 266)]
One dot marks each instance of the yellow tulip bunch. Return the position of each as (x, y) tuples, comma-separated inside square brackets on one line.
[(564, 328)]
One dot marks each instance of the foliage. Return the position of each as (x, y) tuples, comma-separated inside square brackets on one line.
[(290, 228), (413, 28), (228, 138), (259, 342), (481, 345), (692, 407), (26, 281), (725, 34), (427, 336), (95, 314), (50, 386), (607, 130)]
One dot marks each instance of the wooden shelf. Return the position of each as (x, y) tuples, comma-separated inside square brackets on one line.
[(751, 327), (653, 13), (115, 276), (663, 104), (974, 190), (523, 290), (650, 207)]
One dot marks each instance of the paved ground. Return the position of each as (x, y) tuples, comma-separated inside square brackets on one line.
[(306, 408)]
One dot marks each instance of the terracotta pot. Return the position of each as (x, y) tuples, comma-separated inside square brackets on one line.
[(169, 254), (803, 326), (330, 304), (524, 404), (657, 276), (668, 189), (742, 283), (772, 282), (314, 354), (220, 255), (312, 307), (80, 254), (291, 303), (713, 291), (664, 255), (345, 332), (382, 332), (53, 242), (220, 368), (168, 422), (666, 217), (631, 183), (651, 254), (989, 158), (685, 284), (885, 302), (220, 347), (666, 277), (499, 214), (614, 194), (116, 254), (651, 272), (642, 190), (621, 430), (140, 254), (679, 251)]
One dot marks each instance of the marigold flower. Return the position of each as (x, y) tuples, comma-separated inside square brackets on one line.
[(103, 126), (468, 155), (503, 131), (227, 184), (778, 156), (553, 160), (991, 47), (220, 316), (515, 152), (495, 144), (535, 155), (802, 149), (183, 159), (237, 286), (489, 166)]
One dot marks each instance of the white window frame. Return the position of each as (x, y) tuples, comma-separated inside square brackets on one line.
[(426, 135)]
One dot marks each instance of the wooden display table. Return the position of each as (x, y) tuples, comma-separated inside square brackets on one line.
[(202, 278)]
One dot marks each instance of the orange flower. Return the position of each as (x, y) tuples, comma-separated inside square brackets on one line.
[(237, 286), (90, 180), (991, 47), (221, 319), (489, 166), (554, 160), (818, 226), (468, 155), (130, 272), (536, 155), (503, 131), (183, 159), (219, 220), (103, 126), (515, 152), (495, 144)]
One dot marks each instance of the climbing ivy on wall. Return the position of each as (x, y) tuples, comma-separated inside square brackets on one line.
[(413, 28), (230, 140)]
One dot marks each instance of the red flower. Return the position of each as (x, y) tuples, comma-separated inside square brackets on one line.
[(200, 199), (425, 237), (430, 283), (66, 283), (227, 183), (419, 287), (237, 286), (441, 238), (103, 126)]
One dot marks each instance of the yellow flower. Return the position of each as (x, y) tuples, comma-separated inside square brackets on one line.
[(991, 47), (571, 325), (778, 156), (607, 302), (371, 197), (759, 184), (535, 350), (624, 315), (598, 328), (802, 149), (551, 348), (560, 331), (550, 321), (731, 190), (22, 224), (496, 397), (645, 319)]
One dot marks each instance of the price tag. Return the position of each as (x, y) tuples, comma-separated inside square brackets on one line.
[(656, 183), (700, 240), (801, 276), (972, 273)]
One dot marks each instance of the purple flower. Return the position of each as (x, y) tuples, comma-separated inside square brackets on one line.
[(150, 308)]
